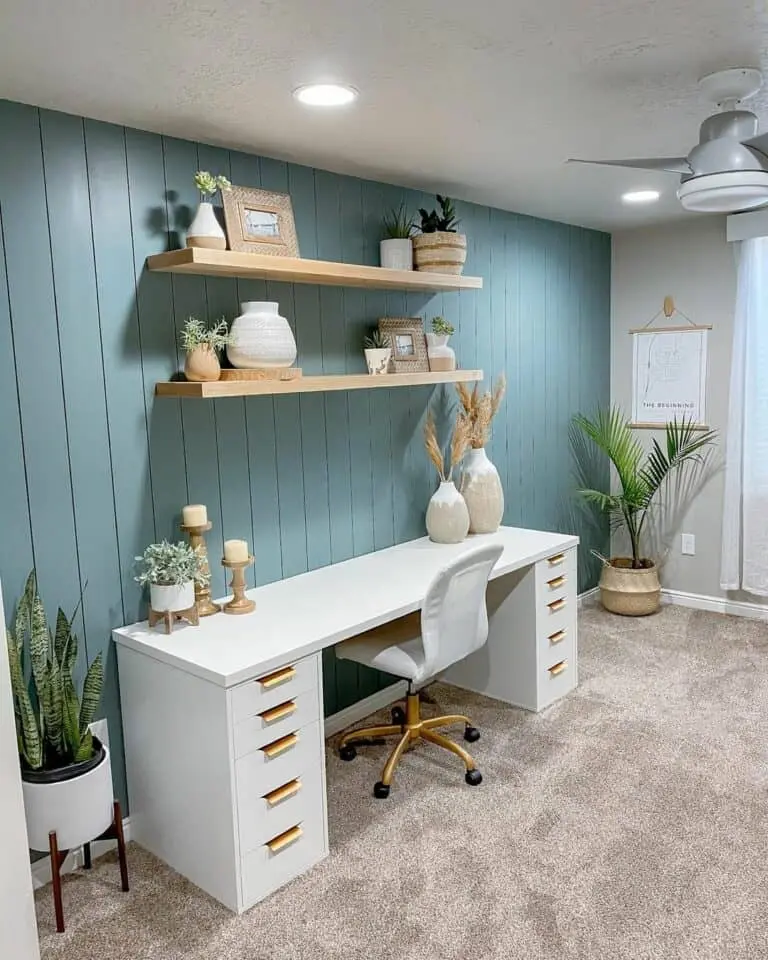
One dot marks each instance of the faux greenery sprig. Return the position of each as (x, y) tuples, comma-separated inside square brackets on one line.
[(208, 183), (441, 327), (397, 224), (444, 222), (171, 563), (376, 340), (196, 334)]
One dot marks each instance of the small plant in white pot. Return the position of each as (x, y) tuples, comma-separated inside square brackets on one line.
[(205, 229), (171, 570), (65, 770), (378, 352), (440, 248), (202, 345), (396, 249), (441, 356), (630, 585)]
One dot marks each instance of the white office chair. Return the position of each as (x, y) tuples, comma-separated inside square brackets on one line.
[(454, 623)]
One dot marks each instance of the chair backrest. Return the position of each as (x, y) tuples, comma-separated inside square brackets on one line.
[(454, 620)]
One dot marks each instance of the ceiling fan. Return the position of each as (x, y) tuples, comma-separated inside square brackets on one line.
[(727, 171)]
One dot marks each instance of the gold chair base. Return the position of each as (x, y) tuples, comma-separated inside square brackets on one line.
[(412, 730)]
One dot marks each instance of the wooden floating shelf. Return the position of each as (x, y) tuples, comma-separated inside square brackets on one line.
[(356, 381), (229, 263)]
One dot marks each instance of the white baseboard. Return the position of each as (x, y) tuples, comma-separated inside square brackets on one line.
[(698, 601), (41, 869), (587, 595), (337, 722)]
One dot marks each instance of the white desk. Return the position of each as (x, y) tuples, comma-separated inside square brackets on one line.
[(223, 722)]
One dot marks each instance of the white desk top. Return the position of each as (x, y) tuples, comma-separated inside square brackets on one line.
[(301, 615)]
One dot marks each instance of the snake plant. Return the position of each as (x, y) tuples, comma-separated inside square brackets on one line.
[(52, 722)]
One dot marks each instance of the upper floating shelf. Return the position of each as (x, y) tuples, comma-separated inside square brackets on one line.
[(229, 263)]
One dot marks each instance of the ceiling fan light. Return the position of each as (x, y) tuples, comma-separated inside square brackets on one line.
[(729, 192)]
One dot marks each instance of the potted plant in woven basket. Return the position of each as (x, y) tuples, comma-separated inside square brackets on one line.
[(65, 770), (439, 248), (630, 585), (201, 345)]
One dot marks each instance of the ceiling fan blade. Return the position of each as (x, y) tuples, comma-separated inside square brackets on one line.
[(758, 143), (668, 164)]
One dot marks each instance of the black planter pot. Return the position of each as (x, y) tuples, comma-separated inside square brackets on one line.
[(72, 770)]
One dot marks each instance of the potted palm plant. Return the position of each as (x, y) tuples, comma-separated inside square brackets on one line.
[(440, 248), (65, 770), (396, 249), (171, 570), (630, 585)]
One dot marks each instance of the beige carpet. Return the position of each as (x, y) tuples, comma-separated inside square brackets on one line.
[(629, 821)]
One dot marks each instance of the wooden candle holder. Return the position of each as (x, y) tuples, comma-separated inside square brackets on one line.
[(239, 602), (205, 606)]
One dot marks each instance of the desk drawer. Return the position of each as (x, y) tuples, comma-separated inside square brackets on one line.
[(261, 818), (277, 762), (276, 721), (285, 856), (557, 676), (255, 696), (556, 577)]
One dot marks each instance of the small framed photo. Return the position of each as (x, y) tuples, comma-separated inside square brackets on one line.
[(408, 343), (260, 221)]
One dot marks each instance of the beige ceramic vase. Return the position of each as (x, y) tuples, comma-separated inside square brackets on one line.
[(481, 488), (632, 593), (447, 517), (202, 365)]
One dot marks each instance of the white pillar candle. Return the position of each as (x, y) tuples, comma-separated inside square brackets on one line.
[(194, 515), (236, 551)]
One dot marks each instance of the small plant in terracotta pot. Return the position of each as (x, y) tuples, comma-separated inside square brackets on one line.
[(202, 344), (440, 248)]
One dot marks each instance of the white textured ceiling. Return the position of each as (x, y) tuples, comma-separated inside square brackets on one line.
[(484, 100)]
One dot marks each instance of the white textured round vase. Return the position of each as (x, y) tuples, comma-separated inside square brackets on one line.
[(396, 253), (441, 356), (171, 596), (260, 337), (205, 229), (447, 515), (481, 487), (79, 809)]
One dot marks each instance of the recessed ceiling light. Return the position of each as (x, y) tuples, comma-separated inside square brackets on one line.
[(640, 196), (325, 94)]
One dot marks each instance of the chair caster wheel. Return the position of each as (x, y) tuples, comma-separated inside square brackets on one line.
[(348, 752), (380, 790), (473, 777), (471, 734), (398, 716)]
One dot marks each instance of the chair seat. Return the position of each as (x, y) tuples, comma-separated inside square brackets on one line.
[(395, 648)]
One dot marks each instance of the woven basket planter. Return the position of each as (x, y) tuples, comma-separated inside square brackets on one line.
[(632, 593), (440, 252)]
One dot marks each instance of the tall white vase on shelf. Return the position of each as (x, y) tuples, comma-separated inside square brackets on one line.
[(441, 356), (260, 337), (482, 490), (205, 229), (447, 515)]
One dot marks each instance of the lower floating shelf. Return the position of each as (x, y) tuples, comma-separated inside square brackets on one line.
[(356, 381)]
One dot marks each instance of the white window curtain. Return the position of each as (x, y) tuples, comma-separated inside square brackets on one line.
[(744, 563)]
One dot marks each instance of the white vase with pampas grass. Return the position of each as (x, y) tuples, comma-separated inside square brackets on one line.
[(480, 483), (447, 517)]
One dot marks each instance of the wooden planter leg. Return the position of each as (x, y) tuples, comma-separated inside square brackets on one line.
[(86, 856), (57, 858), (121, 847)]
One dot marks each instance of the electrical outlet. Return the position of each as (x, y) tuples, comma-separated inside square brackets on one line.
[(100, 729), (688, 544)]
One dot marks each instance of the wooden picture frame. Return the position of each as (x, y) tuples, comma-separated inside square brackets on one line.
[(408, 343), (260, 221)]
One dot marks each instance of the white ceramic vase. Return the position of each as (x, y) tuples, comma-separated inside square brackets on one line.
[(447, 515), (205, 229), (377, 360), (482, 490), (78, 809), (396, 253), (441, 356), (172, 596), (260, 337)]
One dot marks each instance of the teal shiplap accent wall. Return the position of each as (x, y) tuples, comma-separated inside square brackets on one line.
[(93, 467)]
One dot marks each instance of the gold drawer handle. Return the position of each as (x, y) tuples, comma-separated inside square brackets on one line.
[(554, 561), (276, 678), (278, 712), (282, 793), (284, 839), (557, 582), (557, 637), (558, 668), (556, 605), (278, 746)]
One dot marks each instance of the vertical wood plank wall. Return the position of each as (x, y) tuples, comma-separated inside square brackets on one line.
[(93, 468)]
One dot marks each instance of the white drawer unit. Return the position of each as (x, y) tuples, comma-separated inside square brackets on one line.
[(276, 721)]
